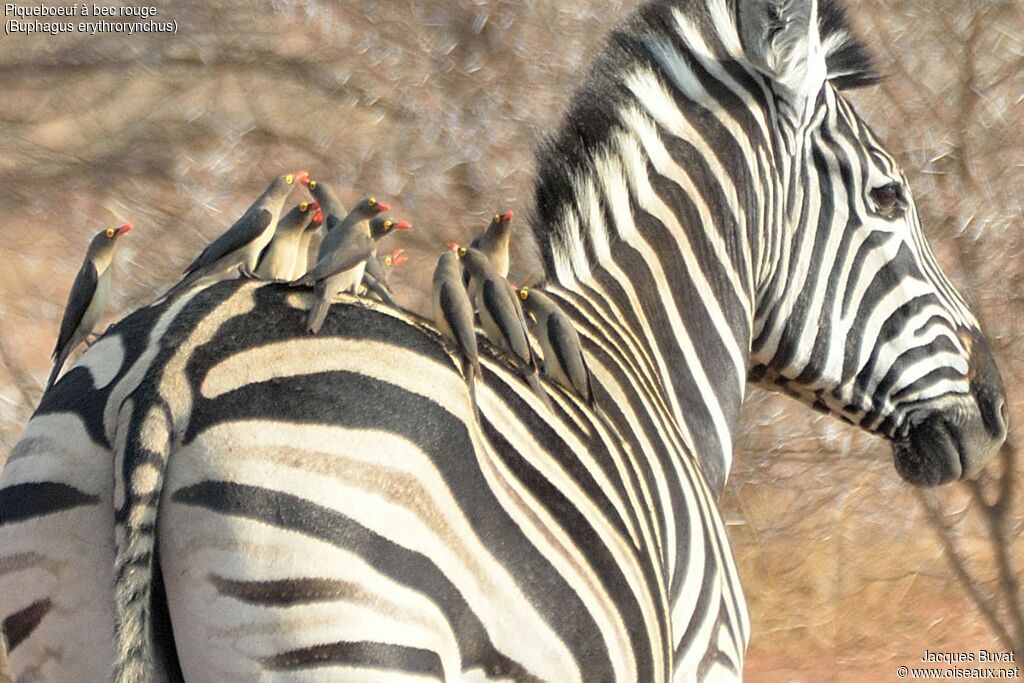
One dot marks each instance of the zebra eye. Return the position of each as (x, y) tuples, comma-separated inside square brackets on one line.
[(889, 201)]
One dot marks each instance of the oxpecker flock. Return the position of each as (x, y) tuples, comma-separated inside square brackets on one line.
[(273, 244)]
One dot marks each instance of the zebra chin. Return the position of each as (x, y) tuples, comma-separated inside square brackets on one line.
[(955, 438)]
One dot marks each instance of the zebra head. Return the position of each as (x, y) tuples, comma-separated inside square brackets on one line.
[(853, 314)]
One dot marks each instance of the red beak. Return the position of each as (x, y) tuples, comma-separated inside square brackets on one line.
[(403, 225), (302, 177), (453, 245), (506, 217), (124, 228), (318, 217), (314, 206), (382, 207)]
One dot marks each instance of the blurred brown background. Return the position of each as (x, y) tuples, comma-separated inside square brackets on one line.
[(435, 106)]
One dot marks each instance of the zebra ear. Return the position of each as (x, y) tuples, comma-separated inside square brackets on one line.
[(781, 39)]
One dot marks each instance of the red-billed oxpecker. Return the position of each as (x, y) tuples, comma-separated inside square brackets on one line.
[(341, 259), (563, 353), (453, 315), (239, 248), (88, 297), (278, 260), (501, 316)]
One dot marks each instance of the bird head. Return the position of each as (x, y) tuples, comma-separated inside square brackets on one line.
[(115, 232), (370, 206), (396, 258)]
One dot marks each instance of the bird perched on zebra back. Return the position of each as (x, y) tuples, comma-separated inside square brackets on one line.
[(278, 260), (453, 315), (563, 353), (88, 297), (241, 245), (341, 259), (493, 243), (380, 227), (375, 277), (325, 197), (501, 315), (301, 264)]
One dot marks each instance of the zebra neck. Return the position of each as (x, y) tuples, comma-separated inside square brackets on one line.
[(656, 342)]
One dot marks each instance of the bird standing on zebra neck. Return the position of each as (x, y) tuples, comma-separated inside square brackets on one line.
[(563, 353), (88, 297), (453, 315), (501, 315), (278, 260), (341, 259), (241, 245), (493, 243)]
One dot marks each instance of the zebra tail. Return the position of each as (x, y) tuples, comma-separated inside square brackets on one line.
[(138, 482), (318, 311)]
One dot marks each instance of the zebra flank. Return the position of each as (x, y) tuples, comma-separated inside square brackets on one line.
[(339, 507)]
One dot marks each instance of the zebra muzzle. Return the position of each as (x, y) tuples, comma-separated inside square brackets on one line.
[(956, 440)]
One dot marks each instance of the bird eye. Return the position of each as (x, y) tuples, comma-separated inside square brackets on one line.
[(289, 179), (524, 294), (387, 260), (889, 200), (111, 232), (304, 207), (497, 218), (312, 184), (371, 201), (462, 251)]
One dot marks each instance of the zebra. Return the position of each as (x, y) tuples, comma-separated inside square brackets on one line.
[(711, 210)]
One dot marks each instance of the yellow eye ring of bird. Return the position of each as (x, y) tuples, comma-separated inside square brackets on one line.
[(372, 201), (524, 293), (111, 232), (312, 184), (304, 207), (289, 179)]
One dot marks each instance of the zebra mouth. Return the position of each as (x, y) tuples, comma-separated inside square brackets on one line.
[(931, 453)]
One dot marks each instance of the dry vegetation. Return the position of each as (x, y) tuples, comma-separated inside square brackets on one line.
[(435, 105)]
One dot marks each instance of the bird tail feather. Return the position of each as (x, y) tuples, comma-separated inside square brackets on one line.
[(534, 382), (318, 311), (58, 363)]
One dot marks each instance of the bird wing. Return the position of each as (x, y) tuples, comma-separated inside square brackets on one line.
[(245, 230), (508, 315), (458, 312), (566, 346), (358, 247), (376, 269), (82, 292)]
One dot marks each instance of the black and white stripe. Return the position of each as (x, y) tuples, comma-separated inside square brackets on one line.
[(329, 508)]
